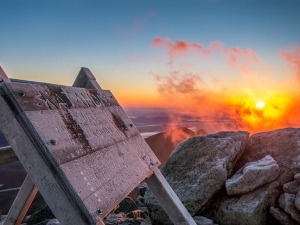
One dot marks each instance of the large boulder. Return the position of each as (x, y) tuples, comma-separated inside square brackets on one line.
[(247, 209), (287, 203), (198, 169), (292, 187), (164, 143), (283, 145), (201, 220), (252, 176), (282, 216), (297, 200)]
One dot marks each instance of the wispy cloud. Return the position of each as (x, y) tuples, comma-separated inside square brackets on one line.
[(235, 56), (292, 56), (177, 83), (177, 48), (137, 25)]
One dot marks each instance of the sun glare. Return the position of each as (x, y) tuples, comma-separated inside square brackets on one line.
[(260, 104)]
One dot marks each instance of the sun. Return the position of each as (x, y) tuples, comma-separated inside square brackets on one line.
[(260, 104)]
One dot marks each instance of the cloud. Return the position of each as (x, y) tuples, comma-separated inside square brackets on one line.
[(177, 83), (236, 57), (177, 48), (292, 56), (137, 25)]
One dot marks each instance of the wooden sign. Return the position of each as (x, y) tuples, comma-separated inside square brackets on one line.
[(81, 151), (85, 137)]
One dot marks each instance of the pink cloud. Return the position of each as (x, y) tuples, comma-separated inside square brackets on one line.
[(235, 56), (293, 58), (157, 42), (177, 48)]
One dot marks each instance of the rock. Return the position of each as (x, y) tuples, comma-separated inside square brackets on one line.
[(297, 178), (41, 215), (283, 145), (129, 222), (2, 218), (114, 218), (164, 143), (197, 169), (120, 219), (201, 220), (137, 214), (297, 200), (282, 217), (292, 187), (142, 189), (201, 132), (252, 176), (287, 203), (248, 209), (53, 222), (126, 205)]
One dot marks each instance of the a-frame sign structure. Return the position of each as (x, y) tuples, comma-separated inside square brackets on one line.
[(80, 150)]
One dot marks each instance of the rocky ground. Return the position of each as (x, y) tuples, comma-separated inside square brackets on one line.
[(227, 178)]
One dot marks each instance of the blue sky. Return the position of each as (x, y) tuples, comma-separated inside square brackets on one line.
[(49, 40)]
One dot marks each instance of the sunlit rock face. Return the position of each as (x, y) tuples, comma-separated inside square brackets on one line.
[(283, 145), (252, 175), (246, 209), (164, 143), (197, 169)]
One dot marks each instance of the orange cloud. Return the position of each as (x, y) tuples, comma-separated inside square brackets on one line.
[(229, 107), (292, 56)]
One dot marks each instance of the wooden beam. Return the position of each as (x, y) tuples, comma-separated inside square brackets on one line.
[(32, 161), (86, 79), (3, 76), (169, 200), (7, 155), (22, 203)]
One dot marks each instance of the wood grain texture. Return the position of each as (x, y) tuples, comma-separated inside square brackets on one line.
[(41, 174), (22, 203), (86, 139)]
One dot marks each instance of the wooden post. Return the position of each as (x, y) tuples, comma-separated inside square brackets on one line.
[(169, 200), (22, 203), (3, 76)]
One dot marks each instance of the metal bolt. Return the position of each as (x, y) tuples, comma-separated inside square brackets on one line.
[(21, 93), (99, 211), (53, 142)]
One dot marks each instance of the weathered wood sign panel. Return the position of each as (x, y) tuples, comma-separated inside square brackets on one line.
[(85, 137)]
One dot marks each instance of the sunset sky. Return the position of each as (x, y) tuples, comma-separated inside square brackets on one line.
[(218, 58)]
